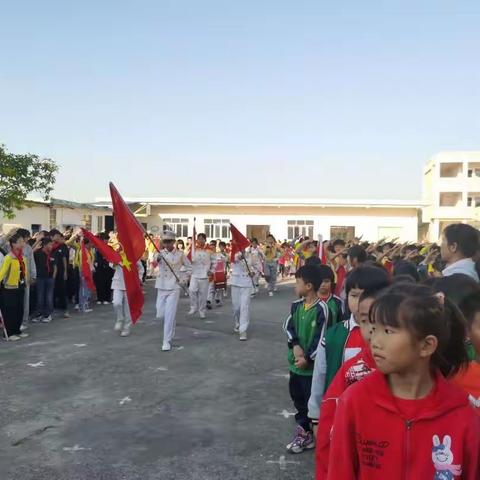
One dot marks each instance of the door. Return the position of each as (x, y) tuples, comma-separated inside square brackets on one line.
[(259, 232)]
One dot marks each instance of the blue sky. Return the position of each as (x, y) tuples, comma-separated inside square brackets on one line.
[(251, 98)]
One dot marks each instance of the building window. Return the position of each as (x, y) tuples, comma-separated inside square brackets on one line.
[(299, 228), (342, 233), (99, 224), (179, 226), (217, 228), (53, 218), (35, 228), (473, 172), (87, 221), (473, 201)]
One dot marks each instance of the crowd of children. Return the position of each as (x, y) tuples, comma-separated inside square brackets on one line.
[(383, 341)]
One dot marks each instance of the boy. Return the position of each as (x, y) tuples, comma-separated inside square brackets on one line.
[(218, 283), (357, 256), (257, 258), (46, 273), (272, 255), (343, 341), (201, 270), (304, 327), (459, 244), (334, 303), (168, 288)]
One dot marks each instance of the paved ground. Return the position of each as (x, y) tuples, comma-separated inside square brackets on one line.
[(78, 402)]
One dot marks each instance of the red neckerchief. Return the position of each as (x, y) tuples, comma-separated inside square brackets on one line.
[(48, 257), (19, 254), (56, 246)]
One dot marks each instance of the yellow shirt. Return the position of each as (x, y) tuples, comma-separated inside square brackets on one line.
[(10, 272)]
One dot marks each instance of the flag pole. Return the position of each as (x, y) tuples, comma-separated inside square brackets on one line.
[(4, 328), (248, 269), (149, 236)]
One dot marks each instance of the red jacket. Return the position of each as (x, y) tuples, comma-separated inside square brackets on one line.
[(371, 439), (353, 370)]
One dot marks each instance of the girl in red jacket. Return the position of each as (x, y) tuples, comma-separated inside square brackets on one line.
[(405, 421)]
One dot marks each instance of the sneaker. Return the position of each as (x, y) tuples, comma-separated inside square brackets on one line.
[(99, 303), (275, 289), (14, 338), (202, 315), (36, 319), (270, 294), (302, 441), (46, 319), (106, 303), (236, 329), (66, 315), (209, 305), (23, 335), (76, 307), (23, 327), (125, 333), (166, 347), (87, 310), (118, 326), (243, 336), (192, 311)]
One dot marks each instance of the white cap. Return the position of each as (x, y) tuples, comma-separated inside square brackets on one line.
[(168, 235)]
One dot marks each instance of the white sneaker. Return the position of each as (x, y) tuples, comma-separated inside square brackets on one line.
[(275, 289), (243, 336), (66, 315), (87, 310), (125, 333), (23, 327), (236, 329), (99, 303), (166, 347), (192, 311), (23, 335), (36, 319), (118, 326), (106, 303), (46, 319), (13, 338), (76, 307), (270, 294), (202, 315)]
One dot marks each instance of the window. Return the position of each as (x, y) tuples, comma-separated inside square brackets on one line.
[(342, 233), (87, 221), (179, 226), (473, 201), (473, 172), (99, 224), (297, 228), (35, 228), (217, 228), (53, 218)]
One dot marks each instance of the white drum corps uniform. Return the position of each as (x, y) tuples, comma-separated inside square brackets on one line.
[(168, 288), (201, 268)]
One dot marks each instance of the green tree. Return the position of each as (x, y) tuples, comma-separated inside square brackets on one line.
[(21, 175)]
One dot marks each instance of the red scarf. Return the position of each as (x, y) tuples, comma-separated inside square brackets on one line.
[(19, 254)]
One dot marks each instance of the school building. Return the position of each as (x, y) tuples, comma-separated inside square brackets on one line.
[(284, 218)]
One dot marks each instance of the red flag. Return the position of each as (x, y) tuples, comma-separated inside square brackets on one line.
[(131, 238), (107, 252), (86, 270), (239, 242), (194, 243)]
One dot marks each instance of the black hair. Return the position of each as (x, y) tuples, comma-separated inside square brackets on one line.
[(368, 278), (357, 252), (103, 236), (254, 239), (404, 267), (271, 236), (222, 244), (45, 241), (418, 309), (202, 235), (339, 241), (14, 239), (310, 274), (54, 232), (180, 241), (465, 236), (23, 232), (326, 273), (403, 279), (313, 260)]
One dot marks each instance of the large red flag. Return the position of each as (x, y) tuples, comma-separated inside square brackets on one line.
[(193, 245), (86, 270), (131, 237), (239, 242)]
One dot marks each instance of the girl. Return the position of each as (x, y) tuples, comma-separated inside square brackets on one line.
[(14, 276), (404, 420)]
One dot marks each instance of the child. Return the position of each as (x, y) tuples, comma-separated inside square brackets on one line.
[(272, 255), (334, 304), (405, 420), (257, 258), (46, 274), (343, 341), (304, 327)]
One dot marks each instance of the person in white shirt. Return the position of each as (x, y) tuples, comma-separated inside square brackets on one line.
[(216, 291), (241, 277), (201, 270), (257, 258), (168, 285), (460, 242)]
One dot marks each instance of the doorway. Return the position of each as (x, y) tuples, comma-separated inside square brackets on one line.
[(259, 232)]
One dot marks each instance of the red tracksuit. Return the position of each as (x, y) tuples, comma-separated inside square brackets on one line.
[(373, 440), (353, 370)]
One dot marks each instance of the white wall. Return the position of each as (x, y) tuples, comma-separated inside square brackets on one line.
[(26, 217)]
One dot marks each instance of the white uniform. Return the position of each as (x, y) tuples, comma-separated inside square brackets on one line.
[(256, 258), (213, 294), (241, 283), (168, 289), (120, 300), (201, 268)]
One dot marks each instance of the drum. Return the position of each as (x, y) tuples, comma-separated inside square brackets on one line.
[(220, 276)]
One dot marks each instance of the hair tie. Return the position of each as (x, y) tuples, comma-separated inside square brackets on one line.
[(441, 298)]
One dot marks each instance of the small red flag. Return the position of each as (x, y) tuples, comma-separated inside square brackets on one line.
[(86, 270), (131, 237), (193, 245), (239, 242)]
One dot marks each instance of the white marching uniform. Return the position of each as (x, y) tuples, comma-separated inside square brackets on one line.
[(201, 268), (120, 300), (257, 258), (241, 284), (168, 288)]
